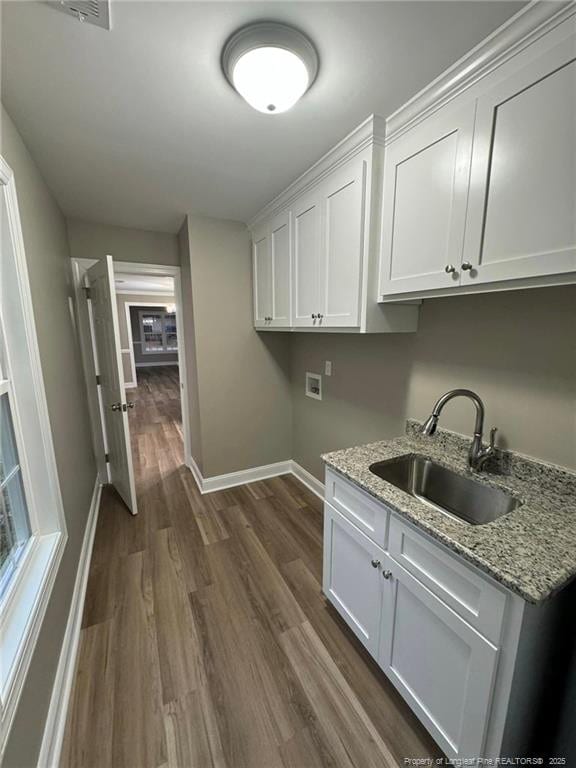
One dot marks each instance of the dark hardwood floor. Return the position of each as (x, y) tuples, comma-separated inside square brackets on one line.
[(206, 640)]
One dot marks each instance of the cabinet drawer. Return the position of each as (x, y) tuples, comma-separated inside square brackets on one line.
[(470, 595), (359, 507)]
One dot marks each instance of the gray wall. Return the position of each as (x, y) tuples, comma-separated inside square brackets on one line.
[(243, 377), (195, 430), (94, 241), (516, 349), (48, 260)]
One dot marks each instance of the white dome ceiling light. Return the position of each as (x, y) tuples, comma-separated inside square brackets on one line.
[(271, 65)]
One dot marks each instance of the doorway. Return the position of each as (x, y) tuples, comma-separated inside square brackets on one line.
[(149, 346)]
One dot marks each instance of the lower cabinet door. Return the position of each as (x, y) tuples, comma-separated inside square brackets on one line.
[(442, 667), (353, 577)]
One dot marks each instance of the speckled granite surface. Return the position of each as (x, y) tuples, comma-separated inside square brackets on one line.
[(531, 551)]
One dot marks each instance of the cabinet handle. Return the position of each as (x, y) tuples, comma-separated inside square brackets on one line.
[(387, 574), (466, 266), (375, 563), (449, 268)]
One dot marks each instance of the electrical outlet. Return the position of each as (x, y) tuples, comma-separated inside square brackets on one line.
[(328, 368)]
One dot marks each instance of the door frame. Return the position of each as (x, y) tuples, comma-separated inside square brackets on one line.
[(79, 268)]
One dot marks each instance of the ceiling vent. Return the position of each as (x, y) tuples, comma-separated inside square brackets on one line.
[(87, 11)]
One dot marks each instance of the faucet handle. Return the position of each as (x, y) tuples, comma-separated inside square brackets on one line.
[(493, 437)]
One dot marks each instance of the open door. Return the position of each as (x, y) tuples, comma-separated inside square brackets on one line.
[(106, 335)]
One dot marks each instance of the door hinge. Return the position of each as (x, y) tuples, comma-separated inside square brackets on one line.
[(107, 458), (98, 380), (86, 290)]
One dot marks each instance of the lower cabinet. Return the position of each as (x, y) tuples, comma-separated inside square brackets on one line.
[(352, 580), (439, 663), (444, 667)]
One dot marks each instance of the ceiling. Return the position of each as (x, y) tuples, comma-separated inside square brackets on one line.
[(137, 126), (144, 284)]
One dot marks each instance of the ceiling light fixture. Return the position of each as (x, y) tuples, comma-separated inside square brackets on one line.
[(271, 65)]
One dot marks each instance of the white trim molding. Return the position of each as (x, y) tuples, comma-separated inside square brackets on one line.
[(25, 600), (521, 30), (369, 133), (56, 720), (243, 476)]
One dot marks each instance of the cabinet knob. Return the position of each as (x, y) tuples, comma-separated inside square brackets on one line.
[(466, 266), (375, 563), (313, 317), (116, 406), (130, 404), (449, 268), (319, 316), (387, 574)]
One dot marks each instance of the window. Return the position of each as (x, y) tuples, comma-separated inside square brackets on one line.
[(158, 331), (14, 518), (32, 524)]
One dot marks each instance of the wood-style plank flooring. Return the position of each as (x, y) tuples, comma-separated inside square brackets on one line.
[(206, 640)]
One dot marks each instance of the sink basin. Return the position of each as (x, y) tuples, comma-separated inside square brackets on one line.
[(447, 491)]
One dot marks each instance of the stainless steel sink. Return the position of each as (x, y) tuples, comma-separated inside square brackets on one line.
[(447, 491)]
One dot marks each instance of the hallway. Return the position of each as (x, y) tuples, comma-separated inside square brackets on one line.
[(206, 640), (155, 426)]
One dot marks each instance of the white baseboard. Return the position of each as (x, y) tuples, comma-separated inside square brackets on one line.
[(233, 479), (130, 384), (311, 482), (51, 747)]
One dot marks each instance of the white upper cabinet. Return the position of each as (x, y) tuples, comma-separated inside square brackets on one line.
[(262, 276), (280, 256), (480, 171), (271, 273), (522, 214), (307, 296), (333, 240), (426, 177), (342, 248)]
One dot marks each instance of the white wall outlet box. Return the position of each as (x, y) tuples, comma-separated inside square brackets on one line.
[(328, 368), (314, 385)]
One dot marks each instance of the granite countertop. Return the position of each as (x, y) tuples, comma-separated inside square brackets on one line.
[(531, 550)]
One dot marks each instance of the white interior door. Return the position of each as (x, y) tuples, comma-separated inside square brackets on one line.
[(106, 338)]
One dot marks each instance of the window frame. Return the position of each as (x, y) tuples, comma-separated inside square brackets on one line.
[(25, 599), (163, 313)]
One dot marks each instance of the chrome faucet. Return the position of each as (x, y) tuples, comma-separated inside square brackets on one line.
[(477, 455)]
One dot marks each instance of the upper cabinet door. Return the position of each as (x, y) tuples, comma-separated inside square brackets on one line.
[(426, 175), (280, 258), (522, 212), (343, 200), (262, 275), (307, 252)]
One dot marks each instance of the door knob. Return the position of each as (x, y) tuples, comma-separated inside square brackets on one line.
[(116, 406), (387, 574), (375, 563), (449, 268), (466, 266)]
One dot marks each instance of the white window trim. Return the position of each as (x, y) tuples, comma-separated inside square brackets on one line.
[(162, 351), (25, 601)]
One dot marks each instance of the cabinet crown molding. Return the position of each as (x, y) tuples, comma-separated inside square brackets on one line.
[(369, 133), (524, 28)]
